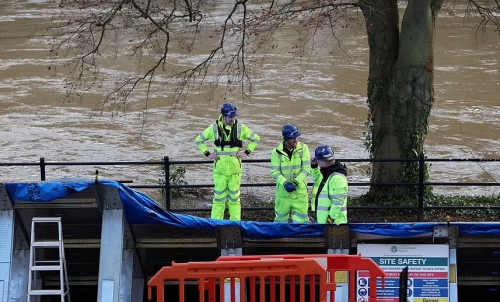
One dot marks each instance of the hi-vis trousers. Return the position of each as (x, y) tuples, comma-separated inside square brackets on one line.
[(298, 206), (226, 189)]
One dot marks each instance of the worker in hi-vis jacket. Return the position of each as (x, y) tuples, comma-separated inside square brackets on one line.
[(228, 136), (329, 198), (290, 166)]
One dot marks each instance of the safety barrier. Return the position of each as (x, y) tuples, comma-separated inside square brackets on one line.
[(332, 264), (275, 270), (166, 164)]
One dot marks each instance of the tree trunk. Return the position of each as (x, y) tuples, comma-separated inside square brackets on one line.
[(400, 90)]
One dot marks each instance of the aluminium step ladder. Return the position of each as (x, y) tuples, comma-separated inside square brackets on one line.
[(37, 266)]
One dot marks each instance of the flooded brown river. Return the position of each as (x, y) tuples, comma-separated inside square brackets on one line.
[(325, 98)]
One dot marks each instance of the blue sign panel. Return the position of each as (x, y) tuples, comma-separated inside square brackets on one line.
[(431, 283), (431, 292)]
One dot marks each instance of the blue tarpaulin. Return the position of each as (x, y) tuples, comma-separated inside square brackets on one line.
[(142, 209)]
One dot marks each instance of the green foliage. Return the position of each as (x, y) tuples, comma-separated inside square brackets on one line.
[(367, 135), (484, 214), (463, 200), (388, 202), (368, 143), (429, 200), (428, 190), (432, 200), (176, 177)]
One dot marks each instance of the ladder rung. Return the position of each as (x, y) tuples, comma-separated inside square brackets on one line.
[(46, 243), (46, 219), (46, 268), (40, 292)]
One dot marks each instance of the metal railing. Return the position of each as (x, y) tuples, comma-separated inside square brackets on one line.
[(167, 186)]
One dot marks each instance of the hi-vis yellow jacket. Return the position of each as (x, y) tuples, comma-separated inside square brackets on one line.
[(285, 169), (227, 145), (332, 200)]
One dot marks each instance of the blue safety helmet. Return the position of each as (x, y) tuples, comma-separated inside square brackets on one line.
[(290, 131), (229, 110), (324, 152)]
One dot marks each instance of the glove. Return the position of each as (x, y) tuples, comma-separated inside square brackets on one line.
[(290, 187)]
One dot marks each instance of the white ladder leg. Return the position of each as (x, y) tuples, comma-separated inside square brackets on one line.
[(48, 265)]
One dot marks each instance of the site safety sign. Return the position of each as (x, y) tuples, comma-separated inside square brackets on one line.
[(428, 272)]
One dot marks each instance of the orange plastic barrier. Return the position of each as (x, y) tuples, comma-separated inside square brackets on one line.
[(208, 273), (334, 263)]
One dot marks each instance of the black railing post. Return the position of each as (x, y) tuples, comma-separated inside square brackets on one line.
[(421, 179), (166, 165), (403, 285), (42, 169)]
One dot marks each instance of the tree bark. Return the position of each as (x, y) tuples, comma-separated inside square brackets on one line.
[(400, 89)]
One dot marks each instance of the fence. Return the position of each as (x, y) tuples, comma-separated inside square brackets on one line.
[(274, 271), (168, 187)]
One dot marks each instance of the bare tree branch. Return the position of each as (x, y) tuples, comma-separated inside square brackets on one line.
[(489, 13), (155, 27), (160, 37)]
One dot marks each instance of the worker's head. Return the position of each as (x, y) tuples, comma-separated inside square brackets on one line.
[(290, 136), (229, 113), (325, 155)]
